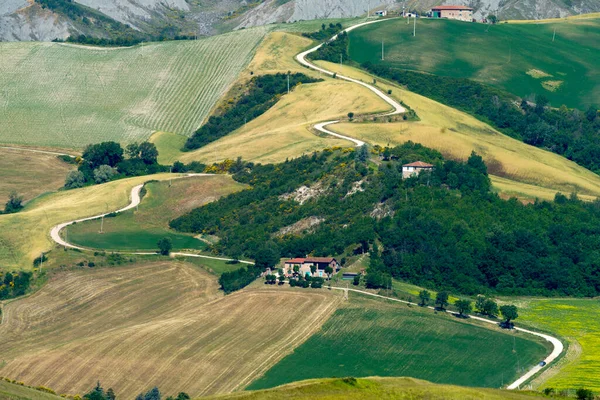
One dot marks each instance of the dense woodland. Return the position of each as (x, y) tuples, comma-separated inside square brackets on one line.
[(333, 50), (325, 33), (444, 230), (14, 284), (261, 93), (569, 132)]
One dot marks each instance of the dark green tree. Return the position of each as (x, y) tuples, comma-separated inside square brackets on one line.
[(463, 306), (424, 297), (584, 394), (509, 313), (152, 394), (105, 153), (490, 308), (267, 256), (14, 203), (441, 300), (356, 280), (165, 245)]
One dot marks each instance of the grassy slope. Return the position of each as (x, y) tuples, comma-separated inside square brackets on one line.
[(283, 131), (141, 229), (379, 388), (501, 55), (577, 321), (23, 236), (366, 337), (161, 324), (526, 171), (30, 174), (11, 391), (64, 95)]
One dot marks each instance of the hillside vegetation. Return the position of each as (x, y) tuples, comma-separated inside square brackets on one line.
[(160, 324), (367, 337), (82, 95), (516, 169), (521, 59)]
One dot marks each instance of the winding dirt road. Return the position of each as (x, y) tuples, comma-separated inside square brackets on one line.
[(322, 127)]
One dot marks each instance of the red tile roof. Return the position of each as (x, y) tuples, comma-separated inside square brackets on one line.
[(418, 164), (451, 8), (310, 260)]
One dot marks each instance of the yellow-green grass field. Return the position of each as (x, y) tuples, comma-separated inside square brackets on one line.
[(567, 52), (141, 228), (30, 174), (378, 388), (285, 130), (15, 391), (159, 324), (169, 146), (369, 337), (24, 235), (517, 168), (55, 94), (575, 320)]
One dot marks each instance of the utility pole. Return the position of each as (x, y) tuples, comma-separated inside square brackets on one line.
[(415, 25), (554, 35), (382, 52), (101, 224), (41, 261), (341, 63), (288, 82), (170, 172)]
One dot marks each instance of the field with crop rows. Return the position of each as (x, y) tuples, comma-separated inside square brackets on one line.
[(162, 324), (523, 59), (55, 94), (368, 337), (141, 229)]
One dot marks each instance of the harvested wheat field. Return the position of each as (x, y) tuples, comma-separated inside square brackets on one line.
[(161, 324)]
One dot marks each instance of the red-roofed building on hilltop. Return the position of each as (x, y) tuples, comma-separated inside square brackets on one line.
[(304, 266), (461, 13), (415, 168)]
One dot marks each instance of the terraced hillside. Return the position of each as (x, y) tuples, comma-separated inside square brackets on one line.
[(62, 95), (523, 59), (160, 324)]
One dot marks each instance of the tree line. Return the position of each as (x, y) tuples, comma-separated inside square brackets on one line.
[(445, 229), (326, 32), (14, 284), (569, 132), (261, 93), (333, 50)]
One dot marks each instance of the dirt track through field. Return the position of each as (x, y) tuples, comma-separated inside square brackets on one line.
[(163, 324)]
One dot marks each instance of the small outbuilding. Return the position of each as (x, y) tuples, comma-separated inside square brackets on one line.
[(415, 168), (461, 13)]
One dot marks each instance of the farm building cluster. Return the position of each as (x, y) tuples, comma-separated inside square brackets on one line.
[(311, 266)]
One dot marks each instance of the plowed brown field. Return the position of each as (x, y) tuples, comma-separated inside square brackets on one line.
[(162, 324)]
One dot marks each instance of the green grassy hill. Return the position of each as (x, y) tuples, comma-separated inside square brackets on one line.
[(379, 388), (13, 391), (367, 337), (54, 94), (521, 59)]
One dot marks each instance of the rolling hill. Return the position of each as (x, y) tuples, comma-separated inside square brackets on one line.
[(520, 58), (54, 94)]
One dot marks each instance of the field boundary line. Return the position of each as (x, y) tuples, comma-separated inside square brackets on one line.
[(558, 347), (55, 153)]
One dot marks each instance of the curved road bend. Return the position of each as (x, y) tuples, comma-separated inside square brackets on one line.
[(556, 352), (396, 107)]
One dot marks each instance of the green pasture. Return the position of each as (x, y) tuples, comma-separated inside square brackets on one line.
[(16, 391), (520, 58), (576, 320), (142, 228), (368, 337), (56, 94)]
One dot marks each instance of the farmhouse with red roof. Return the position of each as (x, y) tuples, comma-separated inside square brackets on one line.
[(304, 266), (415, 168), (461, 13)]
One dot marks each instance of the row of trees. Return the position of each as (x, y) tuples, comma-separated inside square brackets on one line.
[(483, 305), (98, 393), (326, 32), (569, 132), (260, 94), (333, 50)]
